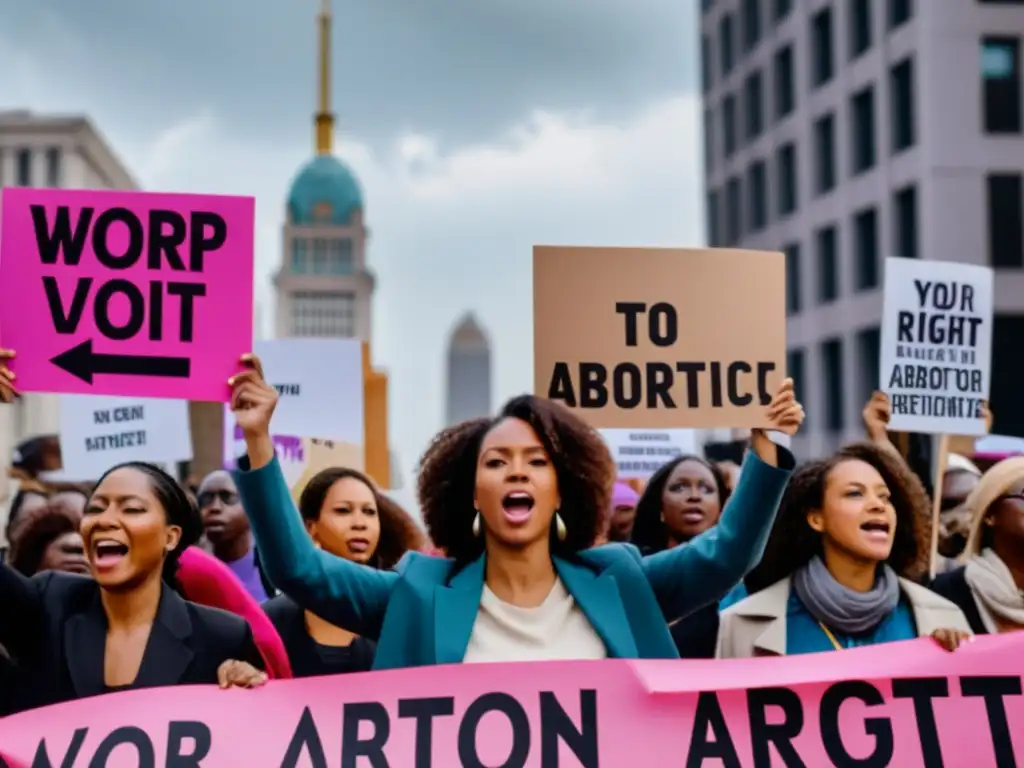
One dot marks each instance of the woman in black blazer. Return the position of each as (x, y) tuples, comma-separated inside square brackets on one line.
[(126, 628)]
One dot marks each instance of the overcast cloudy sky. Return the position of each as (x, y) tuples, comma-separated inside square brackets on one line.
[(477, 128)]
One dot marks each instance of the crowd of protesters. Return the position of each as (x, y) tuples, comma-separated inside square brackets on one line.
[(533, 550)]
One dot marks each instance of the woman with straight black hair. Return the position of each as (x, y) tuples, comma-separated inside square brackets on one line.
[(72, 636)]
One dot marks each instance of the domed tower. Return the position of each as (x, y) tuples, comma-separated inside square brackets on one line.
[(324, 286)]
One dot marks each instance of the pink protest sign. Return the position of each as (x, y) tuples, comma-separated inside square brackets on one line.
[(908, 704), (125, 293)]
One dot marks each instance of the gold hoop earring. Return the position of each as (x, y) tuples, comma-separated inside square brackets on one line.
[(560, 529), (476, 525)]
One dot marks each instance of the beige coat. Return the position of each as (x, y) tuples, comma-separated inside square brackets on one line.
[(756, 626)]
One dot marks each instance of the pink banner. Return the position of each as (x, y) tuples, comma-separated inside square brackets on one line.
[(126, 293), (907, 704)]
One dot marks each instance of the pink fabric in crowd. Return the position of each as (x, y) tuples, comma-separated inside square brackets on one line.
[(207, 581)]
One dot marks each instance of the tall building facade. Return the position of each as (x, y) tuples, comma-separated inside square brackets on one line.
[(841, 132), (324, 286), (49, 151), (469, 372)]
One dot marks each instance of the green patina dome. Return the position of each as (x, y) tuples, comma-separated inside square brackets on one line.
[(324, 184)]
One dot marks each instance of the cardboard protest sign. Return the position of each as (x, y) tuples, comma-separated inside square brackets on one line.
[(126, 293), (649, 338), (300, 457), (936, 350), (639, 453), (907, 704), (98, 431)]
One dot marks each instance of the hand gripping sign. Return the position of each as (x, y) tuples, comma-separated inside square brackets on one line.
[(125, 293)]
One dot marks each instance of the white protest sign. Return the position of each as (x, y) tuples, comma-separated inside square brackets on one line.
[(638, 453), (97, 431), (320, 382), (936, 348)]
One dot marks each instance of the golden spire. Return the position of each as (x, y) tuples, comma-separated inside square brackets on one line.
[(324, 116)]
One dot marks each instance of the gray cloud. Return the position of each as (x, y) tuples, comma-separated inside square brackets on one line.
[(459, 70)]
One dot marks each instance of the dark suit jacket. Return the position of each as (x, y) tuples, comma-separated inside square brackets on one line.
[(55, 629), (290, 622)]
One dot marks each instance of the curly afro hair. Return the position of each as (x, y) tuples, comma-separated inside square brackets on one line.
[(793, 542), (583, 466), (649, 532), (398, 531)]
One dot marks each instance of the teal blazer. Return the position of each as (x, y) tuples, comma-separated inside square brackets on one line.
[(422, 613)]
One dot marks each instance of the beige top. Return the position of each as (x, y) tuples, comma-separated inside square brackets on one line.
[(556, 630), (756, 625)]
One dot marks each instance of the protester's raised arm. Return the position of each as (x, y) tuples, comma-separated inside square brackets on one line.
[(692, 575), (348, 595)]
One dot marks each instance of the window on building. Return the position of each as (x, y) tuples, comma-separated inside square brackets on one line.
[(796, 369), (905, 223), (1001, 84), (862, 131), (860, 27), (733, 210), (900, 12), (320, 256), (757, 196), (707, 76), (753, 110), (825, 153), (23, 168), (869, 351), (901, 105), (794, 298), (751, 24), (300, 256), (822, 53), (827, 242), (785, 86), (714, 219), (729, 141), (832, 362), (726, 44), (781, 9), (709, 139), (339, 256), (54, 174), (323, 313), (786, 168), (865, 248), (1005, 229)]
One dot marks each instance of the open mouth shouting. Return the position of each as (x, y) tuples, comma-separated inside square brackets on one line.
[(877, 530), (518, 506), (107, 553)]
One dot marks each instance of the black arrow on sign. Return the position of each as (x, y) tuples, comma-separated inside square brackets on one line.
[(83, 363)]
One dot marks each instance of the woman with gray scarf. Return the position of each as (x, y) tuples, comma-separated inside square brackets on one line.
[(839, 572)]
